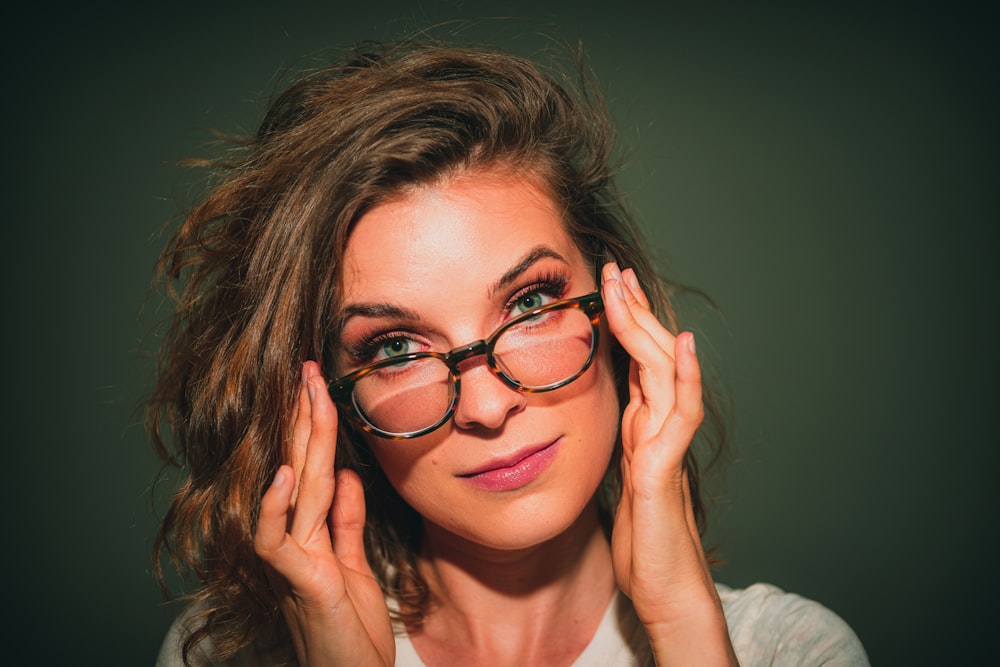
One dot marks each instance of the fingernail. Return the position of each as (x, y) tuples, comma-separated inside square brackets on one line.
[(631, 279), (616, 285), (691, 345), (312, 390), (608, 272), (279, 478)]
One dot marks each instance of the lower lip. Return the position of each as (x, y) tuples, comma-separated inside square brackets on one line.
[(518, 475)]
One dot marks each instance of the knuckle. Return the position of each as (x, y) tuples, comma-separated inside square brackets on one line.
[(696, 416), (698, 413), (261, 547), (691, 416)]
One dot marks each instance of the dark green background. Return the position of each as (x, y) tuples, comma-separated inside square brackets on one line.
[(827, 173)]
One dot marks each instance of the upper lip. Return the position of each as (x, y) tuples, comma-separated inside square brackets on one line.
[(508, 461)]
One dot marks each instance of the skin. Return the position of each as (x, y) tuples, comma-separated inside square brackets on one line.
[(521, 576)]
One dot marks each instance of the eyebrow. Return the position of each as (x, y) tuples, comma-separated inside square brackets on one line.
[(396, 311), (382, 310)]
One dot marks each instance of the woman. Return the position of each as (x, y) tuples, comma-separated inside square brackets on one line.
[(427, 409)]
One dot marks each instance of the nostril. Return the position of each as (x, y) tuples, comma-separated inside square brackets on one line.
[(485, 400)]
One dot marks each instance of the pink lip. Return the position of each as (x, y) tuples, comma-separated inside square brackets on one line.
[(515, 471)]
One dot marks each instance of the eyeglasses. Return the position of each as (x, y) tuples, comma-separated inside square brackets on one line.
[(413, 394)]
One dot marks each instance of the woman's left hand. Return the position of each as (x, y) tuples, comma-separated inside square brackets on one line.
[(657, 553)]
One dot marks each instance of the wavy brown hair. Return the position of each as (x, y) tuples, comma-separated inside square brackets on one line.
[(254, 271)]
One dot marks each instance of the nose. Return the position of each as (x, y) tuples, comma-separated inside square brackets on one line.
[(485, 401)]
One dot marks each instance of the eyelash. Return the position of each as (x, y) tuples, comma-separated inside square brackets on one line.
[(550, 284), (365, 350)]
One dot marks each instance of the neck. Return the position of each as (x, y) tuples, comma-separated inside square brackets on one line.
[(519, 601)]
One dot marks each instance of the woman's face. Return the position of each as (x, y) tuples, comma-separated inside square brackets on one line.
[(443, 266)]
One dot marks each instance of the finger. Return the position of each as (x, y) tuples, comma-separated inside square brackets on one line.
[(300, 430), (689, 408), (639, 304), (634, 403), (635, 307), (689, 404), (271, 523), (625, 313), (317, 483), (654, 364), (632, 282), (633, 289), (347, 519), (271, 543)]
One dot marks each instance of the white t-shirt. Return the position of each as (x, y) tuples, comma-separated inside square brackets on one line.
[(767, 627)]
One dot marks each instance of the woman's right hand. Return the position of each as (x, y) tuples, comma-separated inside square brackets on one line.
[(311, 535)]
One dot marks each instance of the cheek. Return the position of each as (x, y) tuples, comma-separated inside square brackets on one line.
[(394, 459), (591, 410), (607, 414), (603, 415), (606, 409), (409, 465), (422, 485)]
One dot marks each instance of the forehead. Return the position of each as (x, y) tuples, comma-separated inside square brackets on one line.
[(462, 233)]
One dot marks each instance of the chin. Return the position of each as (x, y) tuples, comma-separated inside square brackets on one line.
[(518, 523)]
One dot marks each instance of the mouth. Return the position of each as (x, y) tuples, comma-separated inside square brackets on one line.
[(513, 472)]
